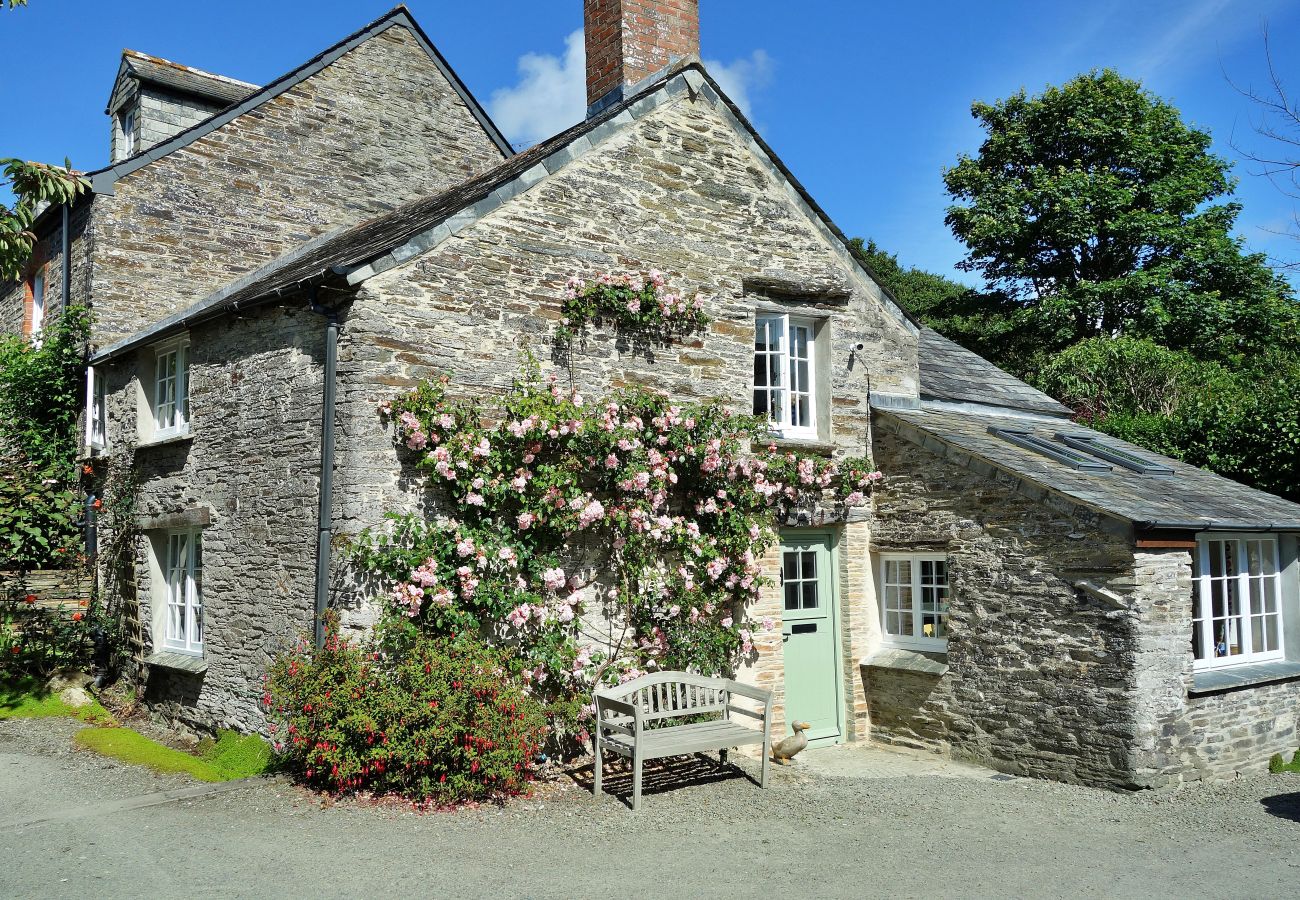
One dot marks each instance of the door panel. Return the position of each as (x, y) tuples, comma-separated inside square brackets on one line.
[(809, 635)]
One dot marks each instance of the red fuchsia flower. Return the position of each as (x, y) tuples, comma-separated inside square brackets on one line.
[(76, 617)]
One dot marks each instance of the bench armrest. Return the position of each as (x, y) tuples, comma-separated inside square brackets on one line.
[(618, 707), (753, 693)]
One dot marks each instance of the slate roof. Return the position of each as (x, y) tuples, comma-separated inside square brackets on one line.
[(951, 372), (394, 236), (186, 79), (1190, 499)]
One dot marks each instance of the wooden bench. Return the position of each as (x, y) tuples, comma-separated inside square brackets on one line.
[(631, 721)]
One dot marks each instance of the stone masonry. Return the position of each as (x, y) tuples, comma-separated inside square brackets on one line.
[(676, 192), (249, 474), (379, 126), (1039, 677)]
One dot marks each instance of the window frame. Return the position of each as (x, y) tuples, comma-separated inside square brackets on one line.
[(127, 122), (917, 639), (1202, 596), (789, 323), (182, 588), (96, 410), (179, 403), (36, 285)]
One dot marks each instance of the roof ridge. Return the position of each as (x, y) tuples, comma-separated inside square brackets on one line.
[(102, 180), (138, 54)]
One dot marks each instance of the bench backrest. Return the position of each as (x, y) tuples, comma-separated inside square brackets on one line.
[(665, 695)]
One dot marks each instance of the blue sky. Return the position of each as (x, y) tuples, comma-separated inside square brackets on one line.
[(866, 102)]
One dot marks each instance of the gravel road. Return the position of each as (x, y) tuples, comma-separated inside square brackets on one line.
[(938, 833)]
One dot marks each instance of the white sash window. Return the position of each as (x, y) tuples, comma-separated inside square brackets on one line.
[(1237, 615), (171, 410), (914, 594), (183, 574), (785, 374)]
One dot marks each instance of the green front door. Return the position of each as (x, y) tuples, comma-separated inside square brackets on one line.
[(809, 633)]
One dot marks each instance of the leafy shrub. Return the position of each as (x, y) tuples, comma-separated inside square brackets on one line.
[(1277, 763), (1244, 424), (440, 721), (37, 641), (41, 394), (632, 507)]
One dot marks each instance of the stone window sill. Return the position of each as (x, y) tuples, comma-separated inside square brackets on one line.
[(907, 661), (807, 445), (181, 662), (167, 441), (1211, 681)]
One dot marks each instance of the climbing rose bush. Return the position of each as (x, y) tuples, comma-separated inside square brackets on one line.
[(565, 514), (441, 722), (630, 301)]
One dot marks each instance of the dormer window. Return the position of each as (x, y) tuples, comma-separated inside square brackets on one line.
[(785, 374), (127, 120)]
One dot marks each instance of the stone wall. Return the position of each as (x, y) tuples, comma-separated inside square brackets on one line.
[(248, 474), (1040, 679), (379, 126), (678, 192), (1189, 736)]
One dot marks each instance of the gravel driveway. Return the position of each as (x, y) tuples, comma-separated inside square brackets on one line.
[(849, 823)]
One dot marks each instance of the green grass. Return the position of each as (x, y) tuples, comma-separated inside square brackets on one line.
[(1277, 764), (27, 698), (231, 756)]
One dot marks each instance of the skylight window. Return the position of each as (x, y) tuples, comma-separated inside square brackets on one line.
[(1058, 452), (1131, 461)]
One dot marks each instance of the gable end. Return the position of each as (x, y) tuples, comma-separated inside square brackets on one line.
[(102, 181)]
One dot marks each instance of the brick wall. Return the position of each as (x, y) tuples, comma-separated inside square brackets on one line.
[(378, 127), (629, 40)]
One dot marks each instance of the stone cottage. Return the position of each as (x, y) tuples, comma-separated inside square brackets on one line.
[(1021, 590)]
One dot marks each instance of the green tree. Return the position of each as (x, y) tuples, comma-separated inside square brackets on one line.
[(32, 184), (991, 324), (1097, 210)]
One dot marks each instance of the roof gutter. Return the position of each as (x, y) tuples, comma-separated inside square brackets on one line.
[(1200, 526)]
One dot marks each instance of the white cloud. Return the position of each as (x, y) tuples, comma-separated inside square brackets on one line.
[(550, 96), (742, 76), (551, 93)]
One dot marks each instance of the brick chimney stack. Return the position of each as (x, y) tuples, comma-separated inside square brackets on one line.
[(629, 40)]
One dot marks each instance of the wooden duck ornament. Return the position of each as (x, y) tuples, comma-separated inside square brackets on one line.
[(785, 750)]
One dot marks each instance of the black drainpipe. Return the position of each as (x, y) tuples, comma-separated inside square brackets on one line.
[(91, 535), (325, 522)]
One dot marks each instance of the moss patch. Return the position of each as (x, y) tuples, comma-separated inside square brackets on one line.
[(237, 755), (28, 698), (231, 756), (1277, 763)]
